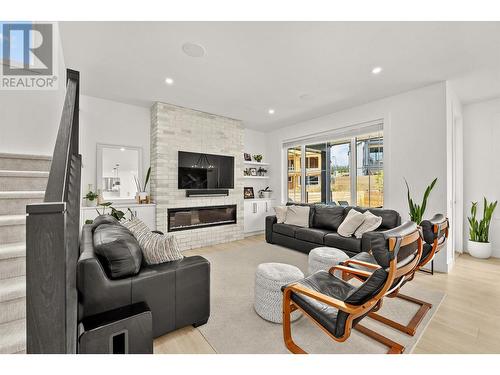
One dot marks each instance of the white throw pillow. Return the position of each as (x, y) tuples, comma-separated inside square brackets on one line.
[(351, 222), (156, 248), (280, 213), (298, 215), (371, 223)]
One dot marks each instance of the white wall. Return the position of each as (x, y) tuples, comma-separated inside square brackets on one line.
[(481, 123), (109, 122), (29, 120), (414, 146)]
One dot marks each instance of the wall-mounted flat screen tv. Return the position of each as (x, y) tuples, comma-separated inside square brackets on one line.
[(205, 171)]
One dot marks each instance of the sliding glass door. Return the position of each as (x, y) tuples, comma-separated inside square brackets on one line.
[(294, 185), (370, 170), (345, 171), (315, 181), (340, 172)]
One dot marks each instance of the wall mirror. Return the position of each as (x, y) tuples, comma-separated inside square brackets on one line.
[(117, 166)]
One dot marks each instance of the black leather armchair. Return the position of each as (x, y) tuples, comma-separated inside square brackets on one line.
[(178, 292), (337, 306)]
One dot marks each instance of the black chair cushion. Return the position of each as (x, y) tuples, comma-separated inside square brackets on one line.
[(328, 217), (117, 250), (285, 229), (426, 250), (329, 285), (329, 317), (352, 244), (428, 227), (311, 235)]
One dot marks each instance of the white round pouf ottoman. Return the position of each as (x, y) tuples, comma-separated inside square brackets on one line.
[(269, 278), (323, 258)]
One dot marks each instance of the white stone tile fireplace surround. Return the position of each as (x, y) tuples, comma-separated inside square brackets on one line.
[(176, 129)]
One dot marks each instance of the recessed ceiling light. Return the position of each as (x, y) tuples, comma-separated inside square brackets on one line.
[(376, 70), (122, 149), (193, 49), (169, 81), (270, 111)]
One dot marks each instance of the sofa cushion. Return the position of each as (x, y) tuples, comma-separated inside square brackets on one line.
[(390, 218), (104, 219), (298, 215), (328, 217), (344, 243), (285, 229), (118, 250), (280, 213), (312, 209), (311, 234)]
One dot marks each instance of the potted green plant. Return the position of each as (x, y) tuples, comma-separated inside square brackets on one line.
[(417, 211), (478, 244), (91, 199), (257, 158)]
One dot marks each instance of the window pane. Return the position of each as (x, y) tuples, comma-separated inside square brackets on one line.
[(294, 186), (370, 171), (340, 172), (316, 173)]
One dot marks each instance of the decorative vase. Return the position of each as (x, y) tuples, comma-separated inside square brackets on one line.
[(479, 249), (91, 203), (142, 197)]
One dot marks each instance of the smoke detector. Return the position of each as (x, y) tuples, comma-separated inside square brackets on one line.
[(193, 49)]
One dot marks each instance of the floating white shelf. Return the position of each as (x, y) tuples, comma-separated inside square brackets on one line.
[(255, 163), (257, 177)]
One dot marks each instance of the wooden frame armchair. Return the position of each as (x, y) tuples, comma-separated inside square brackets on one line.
[(435, 234), (337, 306)]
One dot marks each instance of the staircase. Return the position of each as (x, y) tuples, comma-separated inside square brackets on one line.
[(23, 179)]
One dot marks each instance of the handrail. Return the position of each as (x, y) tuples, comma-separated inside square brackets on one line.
[(52, 241), (65, 146)]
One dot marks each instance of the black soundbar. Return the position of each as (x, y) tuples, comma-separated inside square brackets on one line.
[(207, 193)]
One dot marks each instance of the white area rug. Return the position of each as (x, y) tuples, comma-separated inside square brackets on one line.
[(234, 327)]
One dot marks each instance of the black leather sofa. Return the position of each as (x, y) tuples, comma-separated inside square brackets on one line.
[(178, 292), (324, 221)]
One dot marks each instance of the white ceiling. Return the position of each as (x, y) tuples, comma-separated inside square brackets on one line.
[(252, 66)]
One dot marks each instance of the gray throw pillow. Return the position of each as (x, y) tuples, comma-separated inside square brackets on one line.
[(157, 248), (298, 215), (371, 223), (351, 222)]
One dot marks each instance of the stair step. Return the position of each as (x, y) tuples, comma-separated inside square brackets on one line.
[(12, 288), (12, 228), (23, 180), (12, 267), (8, 220), (23, 162), (14, 202), (12, 299), (13, 337), (13, 250)]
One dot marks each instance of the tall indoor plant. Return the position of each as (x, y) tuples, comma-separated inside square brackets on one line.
[(478, 244), (417, 211)]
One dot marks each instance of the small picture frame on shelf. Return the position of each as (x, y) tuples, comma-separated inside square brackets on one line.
[(253, 171), (248, 192), (247, 157)]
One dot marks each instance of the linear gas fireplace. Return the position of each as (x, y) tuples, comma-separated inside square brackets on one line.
[(200, 217)]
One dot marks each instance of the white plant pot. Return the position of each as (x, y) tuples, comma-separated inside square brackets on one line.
[(91, 203), (479, 249)]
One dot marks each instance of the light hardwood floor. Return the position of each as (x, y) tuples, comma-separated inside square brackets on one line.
[(467, 321)]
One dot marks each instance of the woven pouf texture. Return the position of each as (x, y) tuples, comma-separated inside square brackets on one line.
[(323, 258), (269, 278)]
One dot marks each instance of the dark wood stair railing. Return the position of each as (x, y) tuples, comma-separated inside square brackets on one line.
[(52, 241)]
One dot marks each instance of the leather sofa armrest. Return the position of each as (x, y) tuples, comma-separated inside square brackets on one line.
[(270, 221), (96, 292)]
